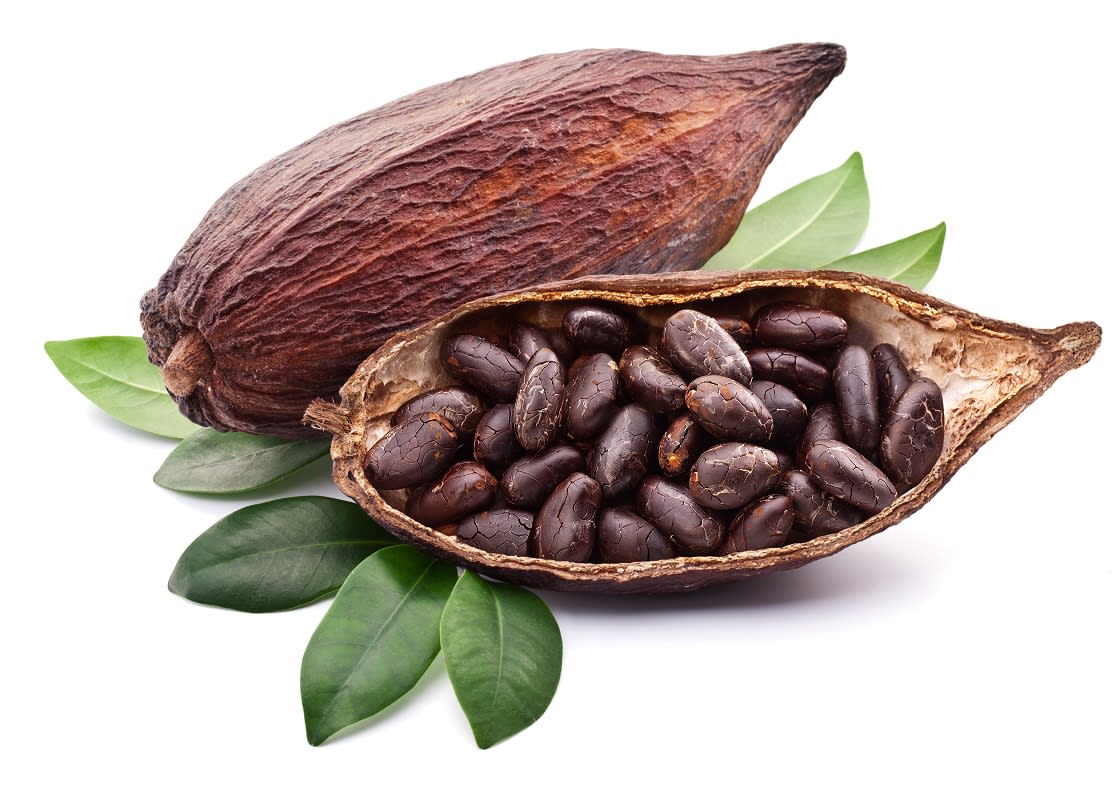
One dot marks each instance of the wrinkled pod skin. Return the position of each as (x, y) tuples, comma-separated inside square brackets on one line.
[(550, 168), (1009, 367)]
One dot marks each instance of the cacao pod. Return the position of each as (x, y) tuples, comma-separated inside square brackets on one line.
[(608, 161), (989, 371)]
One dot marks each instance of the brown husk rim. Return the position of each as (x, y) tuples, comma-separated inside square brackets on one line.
[(990, 370)]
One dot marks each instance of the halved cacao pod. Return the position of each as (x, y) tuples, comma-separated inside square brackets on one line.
[(989, 371), (609, 161)]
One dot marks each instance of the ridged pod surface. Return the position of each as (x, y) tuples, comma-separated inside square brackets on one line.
[(598, 161), (989, 371)]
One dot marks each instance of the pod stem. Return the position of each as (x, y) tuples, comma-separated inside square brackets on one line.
[(323, 415), (189, 361)]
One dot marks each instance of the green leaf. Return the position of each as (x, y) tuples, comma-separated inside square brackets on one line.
[(911, 261), (115, 375), (375, 642), (503, 653), (816, 221), (277, 555), (209, 461)]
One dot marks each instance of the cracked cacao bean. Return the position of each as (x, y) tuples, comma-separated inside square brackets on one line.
[(891, 375), (502, 531), (730, 475), (842, 471), (465, 488), (650, 380), (914, 433), (539, 406), (728, 410), (620, 456), (412, 452), (697, 345), (765, 523), (483, 365), (857, 399), (624, 536), (680, 446), (495, 444), (564, 528), (462, 408), (798, 327), (529, 480), (591, 395), (688, 526), (809, 379)]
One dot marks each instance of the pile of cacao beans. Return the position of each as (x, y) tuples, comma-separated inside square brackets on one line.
[(716, 435)]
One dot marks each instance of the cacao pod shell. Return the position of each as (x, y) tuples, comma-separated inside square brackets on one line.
[(603, 161), (988, 370)]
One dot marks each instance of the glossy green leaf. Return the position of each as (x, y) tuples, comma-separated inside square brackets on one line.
[(209, 461), (375, 642), (277, 555), (503, 652), (806, 226), (115, 375), (911, 261)]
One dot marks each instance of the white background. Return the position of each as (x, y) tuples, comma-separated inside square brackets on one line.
[(972, 643)]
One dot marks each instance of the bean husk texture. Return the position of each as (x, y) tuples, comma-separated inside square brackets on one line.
[(989, 370), (562, 165), (375, 642), (277, 555), (503, 652)]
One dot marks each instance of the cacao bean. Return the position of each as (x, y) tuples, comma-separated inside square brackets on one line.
[(623, 536)]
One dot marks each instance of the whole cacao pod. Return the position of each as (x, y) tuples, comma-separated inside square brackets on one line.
[(610, 161)]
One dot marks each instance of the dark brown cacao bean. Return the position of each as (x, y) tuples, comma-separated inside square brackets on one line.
[(809, 379), (412, 453), (564, 528), (728, 410), (914, 433), (482, 364), (672, 510), (465, 488), (798, 327), (596, 329), (539, 406), (591, 396), (697, 345), (680, 446), (529, 480), (620, 456), (891, 375), (840, 470), (650, 380), (504, 531), (729, 475), (624, 536), (462, 408), (857, 399), (790, 414), (765, 523), (816, 512), (495, 444)]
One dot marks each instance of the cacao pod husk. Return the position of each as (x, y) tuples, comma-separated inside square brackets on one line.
[(608, 161), (989, 371)]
